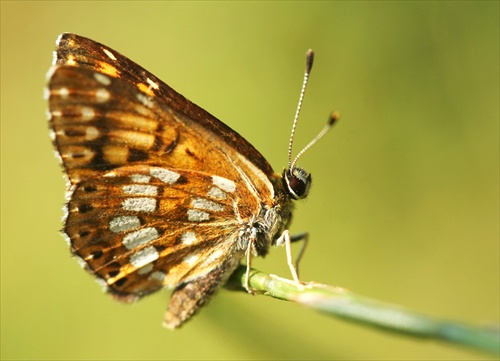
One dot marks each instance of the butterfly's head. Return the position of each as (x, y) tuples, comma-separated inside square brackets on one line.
[(297, 182)]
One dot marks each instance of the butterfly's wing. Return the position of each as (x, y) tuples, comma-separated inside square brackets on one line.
[(158, 189), (165, 126), (139, 228)]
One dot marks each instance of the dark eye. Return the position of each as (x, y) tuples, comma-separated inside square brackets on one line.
[(298, 182)]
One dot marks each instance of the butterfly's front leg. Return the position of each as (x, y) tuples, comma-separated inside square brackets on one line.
[(248, 254), (304, 237), (287, 240)]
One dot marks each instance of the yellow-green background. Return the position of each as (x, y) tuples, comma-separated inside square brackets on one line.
[(404, 205)]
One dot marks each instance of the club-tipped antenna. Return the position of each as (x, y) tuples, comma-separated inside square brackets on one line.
[(331, 120), (309, 64), (334, 117)]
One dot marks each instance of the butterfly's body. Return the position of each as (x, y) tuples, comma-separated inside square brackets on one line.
[(160, 192)]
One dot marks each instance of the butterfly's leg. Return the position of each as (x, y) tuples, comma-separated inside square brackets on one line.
[(287, 241), (249, 265), (300, 237)]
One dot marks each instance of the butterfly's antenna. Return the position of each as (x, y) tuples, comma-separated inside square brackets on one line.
[(309, 64), (331, 120), (334, 117)]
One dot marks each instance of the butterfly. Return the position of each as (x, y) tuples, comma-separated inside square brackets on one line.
[(160, 193)]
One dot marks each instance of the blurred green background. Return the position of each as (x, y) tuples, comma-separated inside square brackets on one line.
[(405, 202)]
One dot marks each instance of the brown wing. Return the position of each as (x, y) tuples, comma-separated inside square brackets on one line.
[(158, 188), (139, 228), (74, 50), (107, 111)]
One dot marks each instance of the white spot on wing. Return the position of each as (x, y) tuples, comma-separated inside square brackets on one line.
[(202, 203), (157, 276), (124, 223), (56, 113), (63, 92), (87, 113), (102, 95), (140, 189), (140, 178), (139, 204), (91, 133), (146, 269), (144, 256), (225, 184), (153, 84), (195, 215), (191, 259), (213, 257), (140, 237), (109, 54), (145, 100), (216, 193), (103, 79), (71, 60), (165, 175), (188, 238)]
